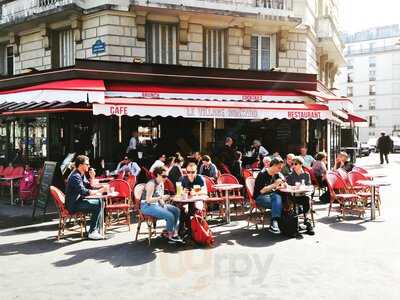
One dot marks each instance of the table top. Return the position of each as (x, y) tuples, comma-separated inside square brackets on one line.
[(105, 179), (227, 186), (373, 183), (300, 189), (189, 199), (115, 194), (377, 175)]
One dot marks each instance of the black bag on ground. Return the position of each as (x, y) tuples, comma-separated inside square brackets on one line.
[(289, 223)]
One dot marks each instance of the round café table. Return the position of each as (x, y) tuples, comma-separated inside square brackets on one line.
[(226, 187), (373, 184), (290, 189), (103, 199)]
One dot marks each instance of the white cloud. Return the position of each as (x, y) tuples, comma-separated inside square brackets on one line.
[(356, 15)]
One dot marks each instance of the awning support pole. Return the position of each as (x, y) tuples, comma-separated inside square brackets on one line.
[(119, 129)]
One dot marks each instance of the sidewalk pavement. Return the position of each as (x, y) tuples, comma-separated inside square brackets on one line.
[(351, 259)]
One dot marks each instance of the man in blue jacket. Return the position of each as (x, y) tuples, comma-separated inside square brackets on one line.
[(78, 187)]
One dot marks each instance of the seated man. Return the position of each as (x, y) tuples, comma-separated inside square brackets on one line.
[(265, 194), (126, 165), (266, 161), (153, 204), (342, 161), (77, 188), (160, 162), (308, 159), (188, 183), (298, 175), (208, 168), (287, 168)]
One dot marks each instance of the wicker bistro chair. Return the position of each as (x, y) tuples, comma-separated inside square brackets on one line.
[(363, 191), (119, 204), (254, 208), (247, 173), (235, 195), (149, 220), (64, 214), (348, 202)]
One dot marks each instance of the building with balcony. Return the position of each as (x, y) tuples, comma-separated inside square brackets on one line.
[(265, 41), (372, 78)]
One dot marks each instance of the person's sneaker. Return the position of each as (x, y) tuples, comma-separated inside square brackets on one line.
[(310, 229), (175, 239), (95, 235), (302, 227), (274, 228)]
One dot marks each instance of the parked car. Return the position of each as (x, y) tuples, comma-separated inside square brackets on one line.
[(372, 144), (364, 149), (396, 143)]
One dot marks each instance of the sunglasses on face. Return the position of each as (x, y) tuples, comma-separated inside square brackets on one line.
[(191, 172), (297, 164)]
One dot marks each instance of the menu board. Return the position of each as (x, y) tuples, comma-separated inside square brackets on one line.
[(44, 188)]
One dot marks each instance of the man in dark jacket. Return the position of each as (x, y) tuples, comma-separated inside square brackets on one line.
[(227, 155), (78, 187), (384, 146)]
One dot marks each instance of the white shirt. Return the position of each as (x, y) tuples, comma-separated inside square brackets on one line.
[(132, 167), (261, 151), (132, 144), (157, 163)]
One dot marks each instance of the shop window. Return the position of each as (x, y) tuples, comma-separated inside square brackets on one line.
[(161, 43), (214, 42), (371, 104), (63, 48), (262, 52), (3, 140), (372, 121), (372, 61), (6, 60)]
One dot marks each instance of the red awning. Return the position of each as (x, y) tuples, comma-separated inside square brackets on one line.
[(324, 96), (210, 109), (355, 118), (75, 90), (124, 90)]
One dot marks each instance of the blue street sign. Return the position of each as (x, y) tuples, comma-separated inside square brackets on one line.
[(98, 47)]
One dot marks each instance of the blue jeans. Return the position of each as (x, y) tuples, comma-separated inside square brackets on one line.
[(92, 206), (272, 201), (169, 213)]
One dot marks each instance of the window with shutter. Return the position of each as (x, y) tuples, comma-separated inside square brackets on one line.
[(6, 60), (63, 48), (262, 53), (214, 43), (161, 43)]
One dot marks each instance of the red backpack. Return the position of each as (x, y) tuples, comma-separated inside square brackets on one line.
[(200, 231)]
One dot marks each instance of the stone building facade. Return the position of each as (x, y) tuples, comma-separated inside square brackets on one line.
[(289, 35)]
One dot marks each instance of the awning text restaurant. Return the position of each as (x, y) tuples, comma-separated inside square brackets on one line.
[(94, 106)]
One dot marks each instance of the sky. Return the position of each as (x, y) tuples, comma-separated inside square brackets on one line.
[(356, 15)]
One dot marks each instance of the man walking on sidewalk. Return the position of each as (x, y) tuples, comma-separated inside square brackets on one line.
[(384, 146)]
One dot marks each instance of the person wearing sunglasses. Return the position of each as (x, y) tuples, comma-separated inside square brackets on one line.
[(299, 176), (189, 181), (153, 204), (78, 187)]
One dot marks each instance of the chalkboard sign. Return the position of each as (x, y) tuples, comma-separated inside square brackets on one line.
[(44, 188)]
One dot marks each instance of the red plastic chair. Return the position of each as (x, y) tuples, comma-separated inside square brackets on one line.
[(347, 201), (121, 203), (213, 196), (255, 165), (225, 169), (7, 171), (247, 173), (254, 208), (64, 214), (360, 170), (235, 195), (169, 187), (149, 220)]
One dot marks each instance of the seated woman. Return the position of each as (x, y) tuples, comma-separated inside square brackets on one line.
[(153, 204), (175, 172), (342, 161), (319, 168), (208, 168), (298, 175)]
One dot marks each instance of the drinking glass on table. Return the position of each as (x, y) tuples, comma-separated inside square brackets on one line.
[(196, 188), (297, 185), (112, 190)]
